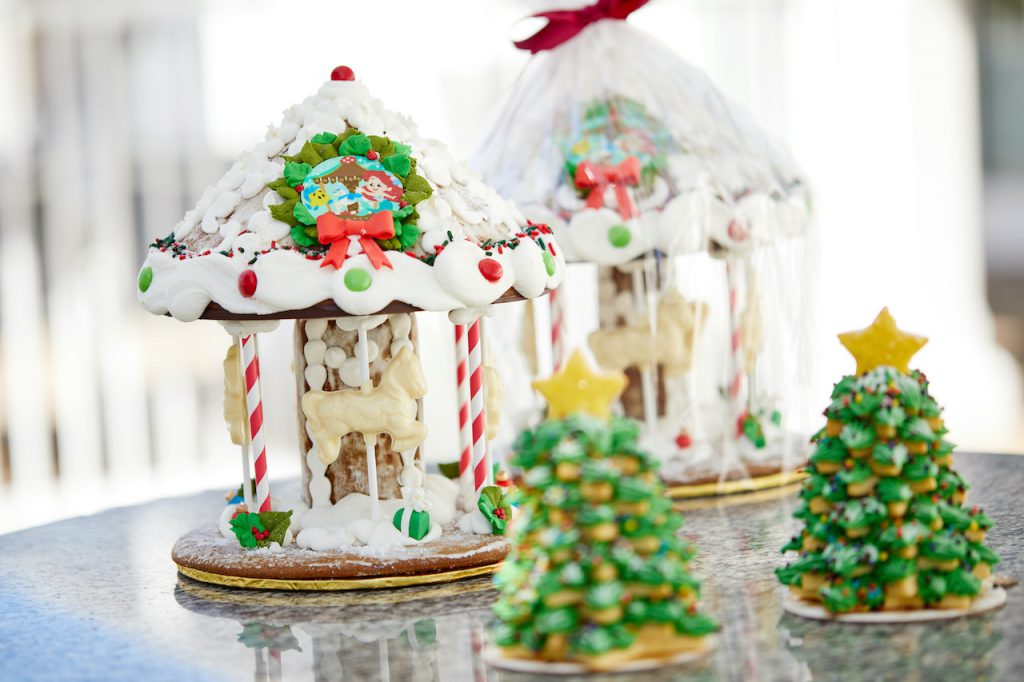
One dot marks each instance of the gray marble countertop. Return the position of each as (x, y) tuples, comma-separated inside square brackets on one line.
[(97, 598)]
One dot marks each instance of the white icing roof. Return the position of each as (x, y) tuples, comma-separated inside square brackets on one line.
[(231, 230), (711, 175)]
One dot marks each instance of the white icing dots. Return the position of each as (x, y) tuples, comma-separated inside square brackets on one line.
[(334, 357), (315, 328), (351, 372), (316, 376), (314, 351)]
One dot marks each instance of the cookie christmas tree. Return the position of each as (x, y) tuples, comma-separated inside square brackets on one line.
[(598, 575), (885, 526)]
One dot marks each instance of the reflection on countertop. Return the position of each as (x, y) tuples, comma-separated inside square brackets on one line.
[(97, 597)]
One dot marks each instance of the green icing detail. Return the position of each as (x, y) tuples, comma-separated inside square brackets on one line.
[(357, 279), (549, 263), (619, 236), (145, 278)]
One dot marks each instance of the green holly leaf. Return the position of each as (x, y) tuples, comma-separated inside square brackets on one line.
[(285, 212), (324, 138), (300, 237), (410, 235), (495, 508), (402, 148), (416, 183), (303, 215), (242, 526), (449, 469), (295, 173), (382, 145), (398, 164), (310, 155), (414, 198), (326, 151), (355, 145), (277, 523)]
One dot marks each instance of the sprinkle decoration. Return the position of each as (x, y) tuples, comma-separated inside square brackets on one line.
[(462, 389), (254, 405)]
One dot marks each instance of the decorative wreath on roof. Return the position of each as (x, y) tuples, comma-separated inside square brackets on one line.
[(350, 185)]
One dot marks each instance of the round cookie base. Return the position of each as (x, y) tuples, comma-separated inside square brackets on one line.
[(761, 478), (990, 600), (203, 554), (494, 657)]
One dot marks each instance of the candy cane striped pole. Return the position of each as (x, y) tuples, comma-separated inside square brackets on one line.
[(732, 276), (254, 405), (462, 393), (246, 476), (476, 406), (557, 314)]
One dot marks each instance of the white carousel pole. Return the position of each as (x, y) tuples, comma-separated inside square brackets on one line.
[(647, 386), (370, 440)]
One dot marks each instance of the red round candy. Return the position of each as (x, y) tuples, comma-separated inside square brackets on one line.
[(684, 441), (491, 269), (343, 73), (371, 155), (247, 283)]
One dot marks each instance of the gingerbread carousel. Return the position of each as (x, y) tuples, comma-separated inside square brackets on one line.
[(348, 222), (698, 226)]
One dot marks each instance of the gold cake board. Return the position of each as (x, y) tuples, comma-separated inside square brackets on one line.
[(334, 584), (203, 554), (737, 486)]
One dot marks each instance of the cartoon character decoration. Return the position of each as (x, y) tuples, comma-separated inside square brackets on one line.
[(351, 186)]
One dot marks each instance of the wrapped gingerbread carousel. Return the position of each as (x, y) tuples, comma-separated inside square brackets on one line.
[(345, 220), (698, 225)]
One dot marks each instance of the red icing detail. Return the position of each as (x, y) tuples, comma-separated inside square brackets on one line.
[(499, 512), (343, 73), (299, 187), (551, 248), (372, 155), (490, 269), (683, 440), (247, 283)]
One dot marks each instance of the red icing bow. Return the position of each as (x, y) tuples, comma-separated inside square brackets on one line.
[(596, 178), (563, 25), (335, 230)]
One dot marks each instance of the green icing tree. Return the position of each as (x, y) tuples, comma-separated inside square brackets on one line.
[(597, 573), (885, 526)]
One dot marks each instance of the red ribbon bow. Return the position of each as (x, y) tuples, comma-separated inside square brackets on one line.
[(563, 25), (335, 230), (596, 178)]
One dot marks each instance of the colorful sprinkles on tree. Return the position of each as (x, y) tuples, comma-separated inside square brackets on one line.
[(885, 525)]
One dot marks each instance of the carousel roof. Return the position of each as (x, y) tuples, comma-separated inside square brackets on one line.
[(344, 209), (624, 148)]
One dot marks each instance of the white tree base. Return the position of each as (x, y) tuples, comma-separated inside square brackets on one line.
[(992, 599)]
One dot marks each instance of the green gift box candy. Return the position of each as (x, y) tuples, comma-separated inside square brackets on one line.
[(418, 523)]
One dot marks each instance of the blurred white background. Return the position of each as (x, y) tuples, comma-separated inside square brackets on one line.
[(114, 115)]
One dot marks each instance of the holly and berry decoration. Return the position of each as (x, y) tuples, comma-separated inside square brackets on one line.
[(355, 177), (597, 573), (260, 529), (494, 505), (885, 526)]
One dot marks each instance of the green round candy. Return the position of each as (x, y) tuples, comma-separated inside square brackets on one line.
[(358, 279), (145, 278), (549, 263), (619, 236)]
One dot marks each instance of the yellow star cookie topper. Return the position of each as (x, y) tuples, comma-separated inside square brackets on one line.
[(883, 343), (577, 388)]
